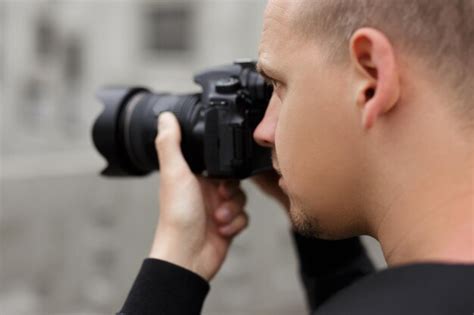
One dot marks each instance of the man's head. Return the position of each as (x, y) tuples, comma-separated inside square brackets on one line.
[(356, 82)]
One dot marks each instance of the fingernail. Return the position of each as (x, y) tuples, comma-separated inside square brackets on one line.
[(223, 214)]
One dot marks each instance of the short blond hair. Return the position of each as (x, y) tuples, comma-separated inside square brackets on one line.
[(439, 32)]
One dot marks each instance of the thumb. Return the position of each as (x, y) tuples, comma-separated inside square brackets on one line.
[(168, 143)]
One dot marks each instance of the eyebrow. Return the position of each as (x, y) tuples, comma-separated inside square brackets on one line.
[(264, 73)]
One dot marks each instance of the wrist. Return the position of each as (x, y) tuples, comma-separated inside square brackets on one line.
[(172, 255), (175, 252)]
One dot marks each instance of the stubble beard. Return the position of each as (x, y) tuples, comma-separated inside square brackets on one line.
[(302, 223)]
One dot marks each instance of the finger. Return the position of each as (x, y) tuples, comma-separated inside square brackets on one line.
[(228, 210), (207, 184), (168, 144), (227, 189), (231, 183), (236, 226), (209, 190)]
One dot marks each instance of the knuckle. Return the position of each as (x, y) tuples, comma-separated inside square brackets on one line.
[(162, 138), (237, 206), (177, 174), (159, 141), (244, 219), (239, 224)]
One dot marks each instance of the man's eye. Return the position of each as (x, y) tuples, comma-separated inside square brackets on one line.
[(269, 81), (274, 83)]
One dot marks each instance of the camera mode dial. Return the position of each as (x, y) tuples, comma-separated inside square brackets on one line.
[(228, 85)]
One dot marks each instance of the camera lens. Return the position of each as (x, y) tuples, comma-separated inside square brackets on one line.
[(125, 131)]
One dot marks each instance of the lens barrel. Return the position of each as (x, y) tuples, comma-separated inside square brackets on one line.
[(125, 131)]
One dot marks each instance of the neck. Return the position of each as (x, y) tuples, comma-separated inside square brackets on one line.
[(428, 199), (440, 232)]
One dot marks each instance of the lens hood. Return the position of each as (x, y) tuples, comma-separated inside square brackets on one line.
[(106, 133)]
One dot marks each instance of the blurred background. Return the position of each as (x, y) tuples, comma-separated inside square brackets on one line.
[(72, 242)]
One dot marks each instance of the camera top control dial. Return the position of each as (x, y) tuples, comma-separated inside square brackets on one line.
[(228, 85)]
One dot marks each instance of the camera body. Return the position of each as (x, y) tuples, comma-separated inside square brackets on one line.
[(217, 125)]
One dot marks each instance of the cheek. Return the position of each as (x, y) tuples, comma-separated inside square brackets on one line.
[(313, 145), (295, 141)]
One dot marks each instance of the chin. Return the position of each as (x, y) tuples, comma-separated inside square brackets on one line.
[(305, 223)]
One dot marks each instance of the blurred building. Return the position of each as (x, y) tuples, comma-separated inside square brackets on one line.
[(57, 53), (72, 242)]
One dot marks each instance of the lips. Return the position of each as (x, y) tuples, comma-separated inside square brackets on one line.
[(275, 164), (277, 169), (282, 184)]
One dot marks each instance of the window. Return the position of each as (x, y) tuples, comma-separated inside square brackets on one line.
[(167, 28)]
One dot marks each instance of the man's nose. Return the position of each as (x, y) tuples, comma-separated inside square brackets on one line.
[(264, 134)]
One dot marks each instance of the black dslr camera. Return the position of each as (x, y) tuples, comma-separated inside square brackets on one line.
[(217, 125)]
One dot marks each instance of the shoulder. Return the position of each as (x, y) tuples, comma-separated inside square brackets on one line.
[(412, 289)]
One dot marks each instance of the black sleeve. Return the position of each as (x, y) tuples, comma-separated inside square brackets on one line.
[(166, 289), (328, 266)]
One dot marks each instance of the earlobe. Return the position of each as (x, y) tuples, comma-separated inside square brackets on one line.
[(377, 86)]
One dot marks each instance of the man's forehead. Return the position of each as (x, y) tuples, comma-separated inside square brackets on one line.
[(275, 22), (278, 6), (277, 13), (277, 28)]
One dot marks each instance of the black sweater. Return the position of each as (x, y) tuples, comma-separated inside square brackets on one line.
[(338, 278)]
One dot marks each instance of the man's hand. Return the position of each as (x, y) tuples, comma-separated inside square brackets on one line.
[(198, 217)]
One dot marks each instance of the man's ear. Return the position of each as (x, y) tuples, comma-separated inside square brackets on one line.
[(378, 86)]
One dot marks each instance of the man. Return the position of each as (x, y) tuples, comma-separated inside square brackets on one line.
[(371, 125)]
